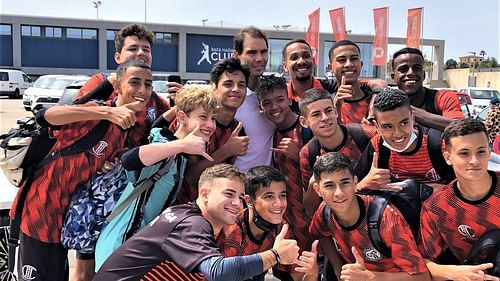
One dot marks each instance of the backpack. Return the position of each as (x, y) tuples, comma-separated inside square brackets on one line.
[(34, 162), (354, 130), (90, 204), (138, 205), (439, 164), (408, 201), (486, 249)]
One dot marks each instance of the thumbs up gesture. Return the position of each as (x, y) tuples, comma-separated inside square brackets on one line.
[(344, 91), (286, 248), (236, 145), (377, 178), (308, 263), (290, 147), (356, 271), (196, 145)]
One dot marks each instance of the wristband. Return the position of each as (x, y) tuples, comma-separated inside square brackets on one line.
[(276, 255)]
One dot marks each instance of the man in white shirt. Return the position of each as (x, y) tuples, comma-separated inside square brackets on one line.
[(251, 48)]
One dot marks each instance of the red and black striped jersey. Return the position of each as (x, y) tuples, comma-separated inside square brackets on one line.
[(394, 231), (450, 221), (353, 111), (50, 191), (295, 213)]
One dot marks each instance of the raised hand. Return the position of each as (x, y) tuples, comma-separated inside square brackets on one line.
[(377, 178), (124, 115), (355, 271), (473, 272), (308, 263), (236, 145), (196, 145), (344, 91), (290, 147), (173, 88), (287, 248)]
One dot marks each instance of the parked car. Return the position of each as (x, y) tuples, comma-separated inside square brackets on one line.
[(54, 91), (161, 89), (70, 92), (480, 98), (13, 83), (7, 195), (39, 86), (482, 115)]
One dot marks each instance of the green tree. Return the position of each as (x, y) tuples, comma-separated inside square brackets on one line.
[(463, 65), (451, 64), (493, 62)]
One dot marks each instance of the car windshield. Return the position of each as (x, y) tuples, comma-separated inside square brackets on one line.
[(484, 94), (60, 84), (482, 115), (160, 86), (43, 82)]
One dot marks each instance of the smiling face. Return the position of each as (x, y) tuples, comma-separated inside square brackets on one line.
[(346, 61), (270, 202), (254, 55), (223, 200), (276, 107), (469, 156), (134, 49), (395, 126), (198, 117), (299, 62), (409, 73), (338, 190), (321, 118), (135, 84), (231, 89)]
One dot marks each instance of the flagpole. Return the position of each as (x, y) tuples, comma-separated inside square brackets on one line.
[(422, 30), (386, 44)]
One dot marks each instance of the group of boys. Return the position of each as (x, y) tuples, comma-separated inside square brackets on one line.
[(285, 152)]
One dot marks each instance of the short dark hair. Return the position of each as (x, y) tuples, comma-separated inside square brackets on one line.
[(122, 68), (389, 100), (341, 43), (332, 162), (262, 176), (228, 65), (462, 127), (252, 32), (298, 40), (311, 96), (135, 29), (406, 51), (268, 84)]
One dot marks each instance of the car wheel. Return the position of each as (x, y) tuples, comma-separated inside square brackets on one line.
[(16, 94), (5, 275)]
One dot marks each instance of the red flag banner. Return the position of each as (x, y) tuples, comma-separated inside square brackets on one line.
[(337, 18), (414, 27), (312, 35), (380, 17)]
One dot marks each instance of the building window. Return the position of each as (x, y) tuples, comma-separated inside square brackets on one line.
[(30, 30), (79, 33), (5, 29), (110, 34), (165, 38), (53, 32)]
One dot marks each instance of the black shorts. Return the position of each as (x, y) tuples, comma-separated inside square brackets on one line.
[(40, 261)]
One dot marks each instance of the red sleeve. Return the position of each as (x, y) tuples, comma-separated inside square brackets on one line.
[(318, 228), (398, 236), (93, 82), (447, 102), (430, 242), (305, 170)]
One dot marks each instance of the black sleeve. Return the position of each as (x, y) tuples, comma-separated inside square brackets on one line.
[(364, 165), (160, 122), (40, 119), (131, 160), (102, 92)]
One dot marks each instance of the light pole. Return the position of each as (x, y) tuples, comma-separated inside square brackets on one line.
[(96, 5), (472, 83), (204, 21), (145, 9)]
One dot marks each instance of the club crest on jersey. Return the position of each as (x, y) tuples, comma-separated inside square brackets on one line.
[(151, 112), (98, 150), (371, 254), (466, 231)]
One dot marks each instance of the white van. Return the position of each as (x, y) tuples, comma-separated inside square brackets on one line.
[(13, 82)]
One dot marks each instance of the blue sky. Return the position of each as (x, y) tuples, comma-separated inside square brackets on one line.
[(466, 26)]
